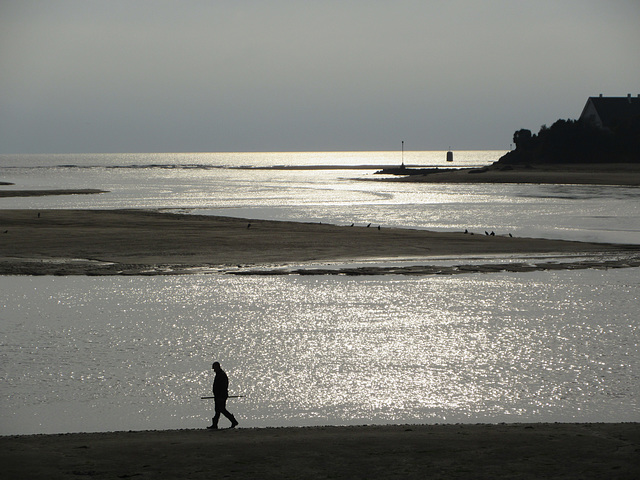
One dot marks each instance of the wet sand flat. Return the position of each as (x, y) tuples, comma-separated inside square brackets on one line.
[(627, 174), (42, 193), (109, 242)]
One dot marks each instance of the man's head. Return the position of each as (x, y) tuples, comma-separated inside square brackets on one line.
[(215, 366)]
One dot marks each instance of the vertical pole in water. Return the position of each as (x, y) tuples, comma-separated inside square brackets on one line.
[(402, 154)]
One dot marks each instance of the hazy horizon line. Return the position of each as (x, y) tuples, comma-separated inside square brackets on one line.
[(257, 151)]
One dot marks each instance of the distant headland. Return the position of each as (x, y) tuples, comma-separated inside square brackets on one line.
[(608, 131), (601, 147)]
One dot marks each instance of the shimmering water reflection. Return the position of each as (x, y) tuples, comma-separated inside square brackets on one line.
[(95, 354)]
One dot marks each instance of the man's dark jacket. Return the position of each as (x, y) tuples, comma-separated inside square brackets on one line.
[(221, 385)]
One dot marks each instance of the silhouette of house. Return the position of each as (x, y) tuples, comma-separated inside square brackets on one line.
[(608, 112)]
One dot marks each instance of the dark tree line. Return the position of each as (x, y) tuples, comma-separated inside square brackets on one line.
[(573, 141)]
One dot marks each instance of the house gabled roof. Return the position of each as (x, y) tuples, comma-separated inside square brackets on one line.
[(611, 110)]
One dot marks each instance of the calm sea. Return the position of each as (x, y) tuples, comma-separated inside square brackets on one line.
[(121, 353), (328, 187)]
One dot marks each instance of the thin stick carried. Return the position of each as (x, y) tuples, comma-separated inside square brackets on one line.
[(230, 396)]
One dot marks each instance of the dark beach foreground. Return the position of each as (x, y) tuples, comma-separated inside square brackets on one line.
[(513, 451)]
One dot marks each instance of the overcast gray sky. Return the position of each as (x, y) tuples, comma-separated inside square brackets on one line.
[(273, 75)]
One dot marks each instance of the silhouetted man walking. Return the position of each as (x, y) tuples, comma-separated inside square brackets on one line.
[(221, 393)]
